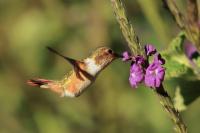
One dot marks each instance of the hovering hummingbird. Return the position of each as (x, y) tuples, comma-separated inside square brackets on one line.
[(83, 74)]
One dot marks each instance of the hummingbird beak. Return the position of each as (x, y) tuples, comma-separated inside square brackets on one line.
[(118, 55)]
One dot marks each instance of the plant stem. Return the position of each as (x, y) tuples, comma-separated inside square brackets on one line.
[(166, 102), (192, 11), (133, 43), (188, 23), (126, 28), (181, 20), (173, 9)]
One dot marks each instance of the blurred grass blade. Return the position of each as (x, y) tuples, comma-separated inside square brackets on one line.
[(152, 13)]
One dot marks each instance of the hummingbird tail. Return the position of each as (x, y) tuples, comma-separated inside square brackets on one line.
[(43, 83), (46, 84)]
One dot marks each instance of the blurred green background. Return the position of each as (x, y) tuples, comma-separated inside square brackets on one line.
[(76, 27)]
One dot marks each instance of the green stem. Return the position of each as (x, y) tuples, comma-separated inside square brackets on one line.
[(173, 9), (166, 102), (192, 11), (188, 23), (133, 43), (127, 28)]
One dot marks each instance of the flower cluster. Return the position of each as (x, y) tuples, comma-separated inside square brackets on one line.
[(142, 70)]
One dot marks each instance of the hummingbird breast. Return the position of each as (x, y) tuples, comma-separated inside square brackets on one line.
[(73, 85)]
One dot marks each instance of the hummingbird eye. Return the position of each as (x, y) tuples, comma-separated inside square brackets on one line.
[(110, 51)]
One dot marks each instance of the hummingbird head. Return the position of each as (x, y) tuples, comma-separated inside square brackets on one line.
[(100, 58), (104, 55)]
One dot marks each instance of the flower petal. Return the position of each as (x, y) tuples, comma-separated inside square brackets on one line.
[(126, 56), (158, 59), (154, 75), (150, 49), (136, 75), (190, 50)]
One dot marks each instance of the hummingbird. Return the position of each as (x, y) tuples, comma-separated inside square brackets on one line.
[(83, 74)]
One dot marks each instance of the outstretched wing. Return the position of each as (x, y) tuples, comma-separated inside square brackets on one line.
[(73, 62)]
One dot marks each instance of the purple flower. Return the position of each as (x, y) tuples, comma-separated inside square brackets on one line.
[(190, 50), (154, 75), (136, 75), (126, 56), (139, 60), (158, 58), (150, 49)]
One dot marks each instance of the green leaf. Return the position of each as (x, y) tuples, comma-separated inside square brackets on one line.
[(179, 100), (174, 68), (187, 89), (176, 62), (176, 45), (181, 74)]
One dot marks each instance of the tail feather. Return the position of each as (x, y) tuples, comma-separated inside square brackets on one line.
[(52, 85), (38, 82)]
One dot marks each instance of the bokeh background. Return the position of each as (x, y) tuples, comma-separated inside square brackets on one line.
[(75, 28)]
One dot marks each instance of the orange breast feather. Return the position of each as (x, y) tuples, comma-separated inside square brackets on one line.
[(76, 85)]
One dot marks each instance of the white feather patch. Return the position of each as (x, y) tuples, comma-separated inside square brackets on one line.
[(67, 94), (92, 68)]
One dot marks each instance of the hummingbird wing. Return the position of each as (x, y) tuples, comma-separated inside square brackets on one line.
[(73, 62)]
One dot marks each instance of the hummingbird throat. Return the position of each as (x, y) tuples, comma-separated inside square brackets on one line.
[(92, 67)]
